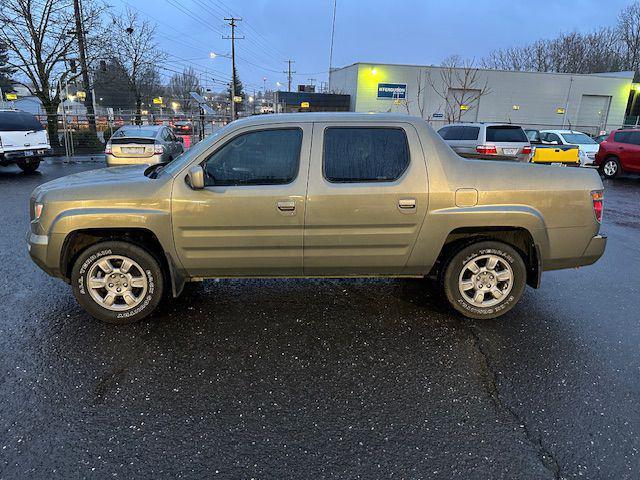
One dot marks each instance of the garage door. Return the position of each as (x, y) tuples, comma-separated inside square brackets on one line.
[(593, 113)]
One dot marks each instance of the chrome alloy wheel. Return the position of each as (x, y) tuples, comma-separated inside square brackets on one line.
[(485, 280), (117, 283), (610, 168)]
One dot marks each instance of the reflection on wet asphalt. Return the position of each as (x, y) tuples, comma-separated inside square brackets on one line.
[(322, 378)]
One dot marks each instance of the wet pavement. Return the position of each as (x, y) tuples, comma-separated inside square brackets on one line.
[(322, 378)]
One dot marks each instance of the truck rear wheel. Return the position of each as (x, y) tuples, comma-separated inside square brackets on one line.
[(117, 282), (30, 166), (484, 280)]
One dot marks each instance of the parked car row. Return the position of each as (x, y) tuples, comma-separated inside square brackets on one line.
[(613, 153)]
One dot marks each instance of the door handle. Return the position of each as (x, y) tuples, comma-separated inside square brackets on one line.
[(286, 206), (407, 203)]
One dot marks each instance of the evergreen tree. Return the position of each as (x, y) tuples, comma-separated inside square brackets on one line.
[(6, 71), (239, 93)]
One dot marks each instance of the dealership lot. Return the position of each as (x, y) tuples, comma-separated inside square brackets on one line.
[(323, 378)]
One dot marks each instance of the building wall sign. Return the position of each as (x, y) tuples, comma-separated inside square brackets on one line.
[(392, 90)]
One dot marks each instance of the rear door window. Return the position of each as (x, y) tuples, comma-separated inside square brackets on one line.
[(628, 137), (506, 133), (364, 154), (19, 122)]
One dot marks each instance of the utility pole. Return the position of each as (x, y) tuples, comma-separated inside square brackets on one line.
[(232, 22), (88, 91), (289, 73), (333, 32)]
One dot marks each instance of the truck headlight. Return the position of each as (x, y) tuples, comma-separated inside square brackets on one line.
[(37, 210)]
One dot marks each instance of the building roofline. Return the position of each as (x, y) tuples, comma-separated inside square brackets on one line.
[(626, 75)]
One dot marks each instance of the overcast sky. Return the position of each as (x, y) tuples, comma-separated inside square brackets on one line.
[(383, 31)]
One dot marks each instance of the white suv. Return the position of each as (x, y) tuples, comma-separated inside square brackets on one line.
[(23, 140)]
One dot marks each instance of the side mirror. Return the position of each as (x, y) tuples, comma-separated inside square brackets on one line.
[(195, 177)]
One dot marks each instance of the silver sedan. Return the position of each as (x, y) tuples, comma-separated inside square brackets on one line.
[(142, 144)]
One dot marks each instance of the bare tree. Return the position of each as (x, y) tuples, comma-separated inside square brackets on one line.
[(459, 86), (36, 34), (629, 32), (134, 49), (181, 85)]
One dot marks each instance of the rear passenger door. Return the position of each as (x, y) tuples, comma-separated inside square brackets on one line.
[(366, 198)]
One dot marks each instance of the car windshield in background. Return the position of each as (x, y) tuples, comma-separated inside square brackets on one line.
[(533, 135), (506, 134), (19, 122), (135, 132), (578, 138)]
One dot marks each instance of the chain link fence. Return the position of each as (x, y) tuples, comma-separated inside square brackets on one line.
[(70, 135)]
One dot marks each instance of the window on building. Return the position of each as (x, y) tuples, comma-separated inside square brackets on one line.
[(365, 154)]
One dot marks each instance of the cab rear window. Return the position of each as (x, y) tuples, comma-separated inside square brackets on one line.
[(19, 122), (506, 133)]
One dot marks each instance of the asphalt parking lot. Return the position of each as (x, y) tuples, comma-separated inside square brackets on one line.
[(322, 378)]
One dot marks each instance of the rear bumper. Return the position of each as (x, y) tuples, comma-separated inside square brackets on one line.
[(594, 250), (113, 161), (17, 156)]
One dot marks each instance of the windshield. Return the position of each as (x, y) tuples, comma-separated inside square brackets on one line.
[(19, 122), (195, 151), (135, 132), (578, 138)]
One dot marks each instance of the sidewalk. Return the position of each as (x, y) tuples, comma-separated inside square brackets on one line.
[(93, 158)]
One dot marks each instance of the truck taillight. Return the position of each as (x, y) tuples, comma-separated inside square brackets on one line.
[(487, 149), (107, 148), (526, 150), (598, 203), (159, 149)]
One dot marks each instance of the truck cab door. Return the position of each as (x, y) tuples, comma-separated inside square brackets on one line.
[(366, 200), (248, 220)]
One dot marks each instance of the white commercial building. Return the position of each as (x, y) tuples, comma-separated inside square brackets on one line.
[(591, 103)]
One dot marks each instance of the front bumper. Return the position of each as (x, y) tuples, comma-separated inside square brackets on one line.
[(37, 246), (594, 250)]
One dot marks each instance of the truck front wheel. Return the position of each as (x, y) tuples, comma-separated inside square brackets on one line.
[(484, 280), (117, 282)]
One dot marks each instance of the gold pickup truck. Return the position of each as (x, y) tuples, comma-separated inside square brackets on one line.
[(315, 195), (552, 154)]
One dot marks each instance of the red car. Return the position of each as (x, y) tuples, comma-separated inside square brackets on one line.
[(619, 152)]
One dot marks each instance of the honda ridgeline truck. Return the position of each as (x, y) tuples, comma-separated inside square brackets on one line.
[(315, 195)]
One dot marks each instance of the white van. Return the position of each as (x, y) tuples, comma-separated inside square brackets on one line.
[(23, 140)]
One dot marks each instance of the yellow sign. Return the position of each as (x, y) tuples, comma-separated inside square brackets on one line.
[(516, 107), (237, 99), (304, 104), (560, 110), (464, 107), (157, 101), (11, 96)]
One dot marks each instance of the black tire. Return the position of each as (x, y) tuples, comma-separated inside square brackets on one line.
[(29, 166), (508, 258), (610, 167), (145, 268)]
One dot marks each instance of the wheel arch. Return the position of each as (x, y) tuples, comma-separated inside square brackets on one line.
[(78, 240), (519, 238)]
